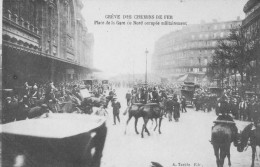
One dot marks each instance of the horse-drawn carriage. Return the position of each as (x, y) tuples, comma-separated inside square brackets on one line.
[(58, 140), (187, 90), (216, 91)]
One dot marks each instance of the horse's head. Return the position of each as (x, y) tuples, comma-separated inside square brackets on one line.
[(243, 138)]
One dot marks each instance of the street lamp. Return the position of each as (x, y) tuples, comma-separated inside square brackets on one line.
[(146, 52)]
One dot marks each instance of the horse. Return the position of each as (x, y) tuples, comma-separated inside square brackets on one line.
[(151, 111), (221, 139), (133, 111), (253, 136)]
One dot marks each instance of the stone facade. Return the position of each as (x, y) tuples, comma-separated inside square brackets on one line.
[(53, 29), (251, 24), (190, 49)]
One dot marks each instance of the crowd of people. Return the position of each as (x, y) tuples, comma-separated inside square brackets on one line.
[(46, 96), (39, 98), (242, 107)]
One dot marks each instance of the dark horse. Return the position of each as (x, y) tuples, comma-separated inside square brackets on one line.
[(152, 111), (136, 110), (253, 136), (221, 139), (133, 111)]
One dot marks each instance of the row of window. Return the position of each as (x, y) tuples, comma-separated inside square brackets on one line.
[(201, 34), (182, 70), (210, 27), (186, 62), (186, 46), (187, 55)]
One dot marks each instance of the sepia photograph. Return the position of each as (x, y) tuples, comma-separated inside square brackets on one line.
[(140, 83)]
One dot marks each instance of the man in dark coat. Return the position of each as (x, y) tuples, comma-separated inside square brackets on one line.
[(155, 96), (183, 104), (169, 107), (176, 110), (128, 97), (256, 111), (9, 110), (116, 109), (224, 111)]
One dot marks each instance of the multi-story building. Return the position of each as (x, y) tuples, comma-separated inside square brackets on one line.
[(45, 40), (251, 24), (188, 51)]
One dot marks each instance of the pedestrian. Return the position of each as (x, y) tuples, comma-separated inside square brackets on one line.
[(169, 107), (176, 109), (183, 104), (8, 110), (116, 109), (128, 97)]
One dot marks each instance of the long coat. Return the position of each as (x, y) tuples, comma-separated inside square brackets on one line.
[(176, 110), (116, 106)]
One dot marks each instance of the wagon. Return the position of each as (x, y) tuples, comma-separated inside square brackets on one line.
[(216, 91), (188, 94)]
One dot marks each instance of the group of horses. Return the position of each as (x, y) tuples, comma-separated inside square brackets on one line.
[(222, 137), (148, 112)]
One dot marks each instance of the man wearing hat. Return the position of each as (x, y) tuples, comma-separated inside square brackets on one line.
[(128, 97), (169, 107), (183, 104), (224, 109), (116, 108), (8, 112), (176, 109)]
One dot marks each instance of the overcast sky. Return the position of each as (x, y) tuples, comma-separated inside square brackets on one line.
[(120, 49)]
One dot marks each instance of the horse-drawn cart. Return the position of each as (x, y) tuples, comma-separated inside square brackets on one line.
[(216, 91), (187, 90), (58, 140)]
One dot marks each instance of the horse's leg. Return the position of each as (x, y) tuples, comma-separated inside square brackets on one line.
[(160, 123), (228, 155), (136, 120), (216, 151), (146, 130), (253, 155), (223, 154), (144, 127), (155, 124), (142, 133), (129, 118)]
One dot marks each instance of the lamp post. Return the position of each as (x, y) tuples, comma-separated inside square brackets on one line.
[(146, 52)]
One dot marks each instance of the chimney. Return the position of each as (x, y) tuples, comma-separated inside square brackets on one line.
[(215, 20), (238, 18)]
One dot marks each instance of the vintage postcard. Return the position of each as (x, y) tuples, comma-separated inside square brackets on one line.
[(117, 83)]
